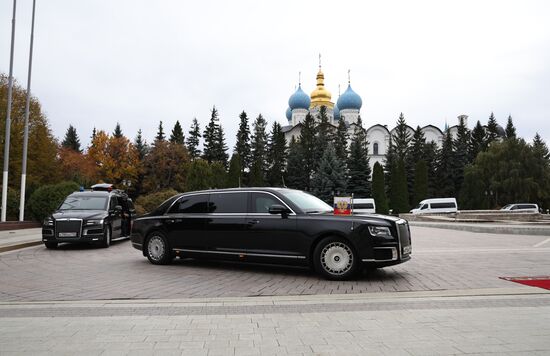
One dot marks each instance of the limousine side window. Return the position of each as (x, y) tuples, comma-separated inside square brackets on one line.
[(227, 203), (190, 204), (261, 202)]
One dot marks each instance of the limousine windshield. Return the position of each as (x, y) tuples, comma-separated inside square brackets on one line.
[(307, 202), (84, 203)]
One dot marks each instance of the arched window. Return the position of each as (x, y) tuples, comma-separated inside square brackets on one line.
[(375, 148)]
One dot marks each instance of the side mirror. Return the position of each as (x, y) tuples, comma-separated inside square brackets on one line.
[(278, 209)]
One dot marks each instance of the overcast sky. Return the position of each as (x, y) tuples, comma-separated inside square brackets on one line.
[(138, 62)]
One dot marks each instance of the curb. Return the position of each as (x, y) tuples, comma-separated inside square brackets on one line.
[(509, 230), (19, 246)]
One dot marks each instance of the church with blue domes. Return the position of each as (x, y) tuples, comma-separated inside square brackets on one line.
[(348, 108)]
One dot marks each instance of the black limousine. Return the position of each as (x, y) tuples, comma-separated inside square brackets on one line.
[(270, 225)]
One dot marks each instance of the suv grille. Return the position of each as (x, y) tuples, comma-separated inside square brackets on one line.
[(404, 237), (68, 227)]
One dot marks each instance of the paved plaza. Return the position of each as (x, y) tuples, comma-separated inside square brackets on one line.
[(448, 299)]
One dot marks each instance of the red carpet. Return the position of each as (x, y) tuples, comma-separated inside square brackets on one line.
[(540, 281)]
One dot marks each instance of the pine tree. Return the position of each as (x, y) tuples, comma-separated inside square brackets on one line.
[(118, 131), (399, 200), (460, 154), (160, 133), (510, 129), (214, 141), (258, 168), (94, 132), (418, 141), (420, 182), (477, 141), (492, 130), (329, 179), (307, 143), (401, 138), (341, 141), (71, 140), (297, 177), (323, 134), (358, 164), (177, 134), (234, 173), (444, 170), (276, 156), (193, 140), (141, 145), (540, 148), (242, 146), (430, 157), (379, 189), (218, 175)]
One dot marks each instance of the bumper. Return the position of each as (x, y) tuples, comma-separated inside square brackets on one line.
[(89, 234), (137, 241)]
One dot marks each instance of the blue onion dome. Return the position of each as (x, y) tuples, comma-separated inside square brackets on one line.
[(349, 100), (299, 100), (288, 114), (336, 112)]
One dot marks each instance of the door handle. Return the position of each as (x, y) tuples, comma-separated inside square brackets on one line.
[(253, 222)]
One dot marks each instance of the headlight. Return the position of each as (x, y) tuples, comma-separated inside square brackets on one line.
[(380, 231), (94, 222), (48, 221)]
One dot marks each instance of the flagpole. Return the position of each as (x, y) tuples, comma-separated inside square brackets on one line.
[(8, 124), (26, 132)]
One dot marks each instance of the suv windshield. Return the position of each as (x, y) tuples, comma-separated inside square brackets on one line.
[(307, 202), (84, 203)]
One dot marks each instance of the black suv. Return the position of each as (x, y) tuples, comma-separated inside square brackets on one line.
[(100, 215)]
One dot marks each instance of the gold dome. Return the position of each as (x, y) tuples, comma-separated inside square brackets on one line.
[(320, 96)]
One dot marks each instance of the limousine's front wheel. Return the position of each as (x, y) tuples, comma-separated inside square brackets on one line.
[(335, 259), (157, 249)]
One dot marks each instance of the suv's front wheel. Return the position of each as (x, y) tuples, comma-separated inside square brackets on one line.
[(335, 259), (106, 237), (157, 249)]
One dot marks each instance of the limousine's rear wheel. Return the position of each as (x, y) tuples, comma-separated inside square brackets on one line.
[(157, 249), (335, 259)]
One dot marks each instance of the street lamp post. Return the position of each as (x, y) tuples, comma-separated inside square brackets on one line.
[(26, 132), (8, 124)]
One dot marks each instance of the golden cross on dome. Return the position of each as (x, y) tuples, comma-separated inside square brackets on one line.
[(349, 78), (319, 61), (299, 78)]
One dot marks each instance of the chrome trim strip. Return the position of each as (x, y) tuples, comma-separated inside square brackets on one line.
[(386, 260), (240, 253), (230, 192)]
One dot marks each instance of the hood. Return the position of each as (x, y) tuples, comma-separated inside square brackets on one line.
[(359, 217), (80, 214)]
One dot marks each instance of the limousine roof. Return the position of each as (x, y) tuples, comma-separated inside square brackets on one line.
[(241, 189)]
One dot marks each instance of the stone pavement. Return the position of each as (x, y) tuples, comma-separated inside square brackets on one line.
[(15, 239), (414, 323), (442, 260)]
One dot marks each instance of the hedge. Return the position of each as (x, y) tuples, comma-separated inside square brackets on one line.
[(46, 199)]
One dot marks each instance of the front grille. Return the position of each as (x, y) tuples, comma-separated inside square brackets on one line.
[(404, 237), (68, 228)]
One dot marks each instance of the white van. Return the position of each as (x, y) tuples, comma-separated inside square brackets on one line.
[(364, 205), (439, 205)]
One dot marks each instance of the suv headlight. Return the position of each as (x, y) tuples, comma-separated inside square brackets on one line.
[(48, 222), (94, 222), (380, 231)]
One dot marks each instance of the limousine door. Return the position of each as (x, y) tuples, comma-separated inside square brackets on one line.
[(186, 221), (226, 223), (272, 235)]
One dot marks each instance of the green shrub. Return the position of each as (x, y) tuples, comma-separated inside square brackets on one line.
[(47, 198), (13, 204), (149, 202)]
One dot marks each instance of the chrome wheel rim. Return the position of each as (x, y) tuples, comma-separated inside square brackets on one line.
[(155, 247), (336, 258)]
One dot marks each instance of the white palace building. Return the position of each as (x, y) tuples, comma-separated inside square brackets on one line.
[(348, 108)]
